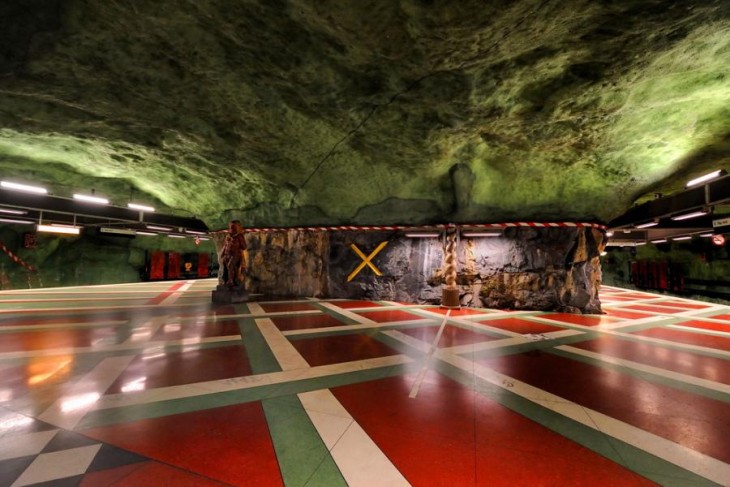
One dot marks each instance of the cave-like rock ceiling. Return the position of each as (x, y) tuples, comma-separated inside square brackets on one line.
[(366, 111)]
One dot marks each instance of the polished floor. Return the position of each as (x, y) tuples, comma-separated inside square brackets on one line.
[(152, 385)]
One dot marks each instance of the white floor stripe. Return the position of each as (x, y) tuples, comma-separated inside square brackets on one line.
[(356, 455), (83, 395), (427, 358), (285, 353), (246, 382), (349, 314)]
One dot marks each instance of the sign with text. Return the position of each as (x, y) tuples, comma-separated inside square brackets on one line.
[(722, 225)]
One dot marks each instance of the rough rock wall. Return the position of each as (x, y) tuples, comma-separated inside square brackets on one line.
[(526, 268)]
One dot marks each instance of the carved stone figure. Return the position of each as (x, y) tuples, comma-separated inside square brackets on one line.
[(232, 261)]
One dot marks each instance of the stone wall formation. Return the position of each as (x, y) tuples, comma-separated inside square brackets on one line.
[(519, 267)]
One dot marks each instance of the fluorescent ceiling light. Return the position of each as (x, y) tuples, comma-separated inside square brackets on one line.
[(604, 253), (8, 211), (661, 240), (136, 206), (481, 234), (609, 234), (640, 243), (162, 229), (620, 243), (19, 222), (139, 232), (204, 238), (195, 232), (706, 235), (23, 187), (66, 229), (647, 225), (91, 199), (687, 237), (706, 177), (422, 234), (687, 216), (176, 236)]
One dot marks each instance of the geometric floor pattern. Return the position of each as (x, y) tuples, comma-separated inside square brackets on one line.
[(152, 384)]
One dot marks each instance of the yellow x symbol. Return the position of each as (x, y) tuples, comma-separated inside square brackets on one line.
[(366, 260)]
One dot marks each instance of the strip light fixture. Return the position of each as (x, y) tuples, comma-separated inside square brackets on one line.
[(8, 211), (13, 220), (195, 232), (176, 236), (706, 177), (91, 199), (23, 187), (481, 234), (161, 229), (660, 240), (686, 237), (137, 206), (706, 235), (150, 234), (422, 234), (65, 229), (647, 225), (687, 216)]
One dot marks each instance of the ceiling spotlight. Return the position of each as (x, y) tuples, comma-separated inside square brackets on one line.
[(481, 234), (686, 237), (91, 199), (8, 211), (647, 225), (661, 240), (604, 253), (19, 222), (687, 216), (23, 187), (136, 206), (706, 177), (422, 235), (65, 229), (609, 233)]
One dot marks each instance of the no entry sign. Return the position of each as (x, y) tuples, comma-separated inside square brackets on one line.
[(718, 239)]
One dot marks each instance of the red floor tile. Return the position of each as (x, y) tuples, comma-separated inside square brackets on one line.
[(586, 320), (458, 312), (341, 348), (682, 304), (189, 329), (229, 444), (54, 320), (61, 338), (356, 304), (387, 316), (177, 368), (301, 322), (622, 313), (518, 325), (654, 309), (452, 336), (696, 422), (683, 362), (285, 307), (707, 325), (680, 336), (449, 436), (150, 473)]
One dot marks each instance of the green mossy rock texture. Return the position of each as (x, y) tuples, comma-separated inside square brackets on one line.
[(364, 112)]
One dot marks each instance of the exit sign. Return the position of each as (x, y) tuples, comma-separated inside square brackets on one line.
[(722, 225)]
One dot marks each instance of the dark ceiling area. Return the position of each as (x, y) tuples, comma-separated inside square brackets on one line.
[(302, 112)]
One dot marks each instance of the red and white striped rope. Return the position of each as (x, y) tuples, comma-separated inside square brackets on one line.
[(376, 228), (16, 259)]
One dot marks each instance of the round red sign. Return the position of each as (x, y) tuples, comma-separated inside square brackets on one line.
[(718, 239)]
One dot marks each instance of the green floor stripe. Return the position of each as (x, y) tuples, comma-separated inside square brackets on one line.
[(634, 459), (346, 320), (303, 456)]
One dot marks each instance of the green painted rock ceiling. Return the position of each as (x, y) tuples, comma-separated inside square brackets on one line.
[(360, 111)]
